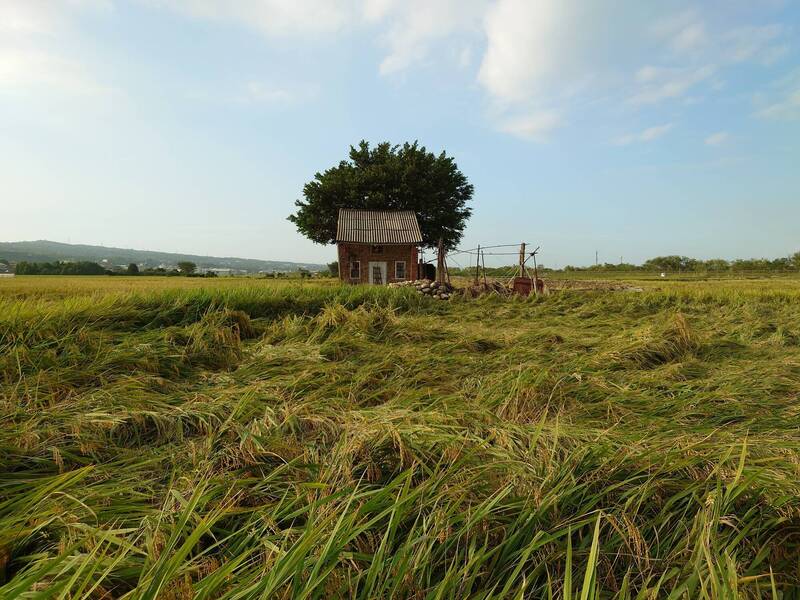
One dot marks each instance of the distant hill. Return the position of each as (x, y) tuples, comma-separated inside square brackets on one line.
[(46, 251)]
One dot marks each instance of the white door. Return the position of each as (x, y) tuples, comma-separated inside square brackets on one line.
[(377, 272)]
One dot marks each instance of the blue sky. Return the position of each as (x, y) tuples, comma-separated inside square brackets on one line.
[(631, 128)]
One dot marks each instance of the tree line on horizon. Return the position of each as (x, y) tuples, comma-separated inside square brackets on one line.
[(666, 264), (676, 263), (669, 264), (86, 267)]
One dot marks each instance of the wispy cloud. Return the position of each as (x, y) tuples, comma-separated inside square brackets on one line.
[(785, 109), (648, 135), (24, 69), (683, 32), (414, 28), (780, 100), (763, 44), (271, 17), (534, 126), (256, 92), (657, 83), (717, 139)]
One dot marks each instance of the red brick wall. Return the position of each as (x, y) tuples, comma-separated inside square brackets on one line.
[(390, 254)]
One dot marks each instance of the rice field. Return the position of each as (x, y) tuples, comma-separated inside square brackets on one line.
[(238, 438)]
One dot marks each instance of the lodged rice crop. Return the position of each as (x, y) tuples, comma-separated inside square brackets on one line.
[(319, 441)]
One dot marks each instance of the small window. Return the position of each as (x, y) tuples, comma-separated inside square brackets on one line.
[(400, 269), (355, 269), (376, 249)]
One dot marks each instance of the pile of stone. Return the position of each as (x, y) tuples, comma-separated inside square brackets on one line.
[(426, 287)]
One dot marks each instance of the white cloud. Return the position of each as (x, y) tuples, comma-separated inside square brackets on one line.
[(260, 92), (465, 57), (257, 91), (684, 32), (377, 10), (523, 41), (26, 18), (781, 99), (272, 17), (28, 68), (761, 44), (415, 26), (690, 38), (529, 68), (648, 135), (33, 47), (544, 60), (408, 28), (657, 84), (533, 126), (717, 139), (41, 17), (786, 109)]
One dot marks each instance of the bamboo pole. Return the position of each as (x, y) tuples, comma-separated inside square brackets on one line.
[(477, 264), (440, 262)]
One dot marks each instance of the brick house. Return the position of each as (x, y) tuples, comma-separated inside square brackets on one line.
[(377, 246)]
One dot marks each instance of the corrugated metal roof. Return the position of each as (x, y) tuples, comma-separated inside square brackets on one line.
[(378, 227)]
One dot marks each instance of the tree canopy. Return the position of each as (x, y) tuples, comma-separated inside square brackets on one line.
[(387, 177), (187, 267)]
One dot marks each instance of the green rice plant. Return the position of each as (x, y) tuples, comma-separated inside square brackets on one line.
[(264, 440)]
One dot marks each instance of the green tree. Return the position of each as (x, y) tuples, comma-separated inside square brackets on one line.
[(717, 264), (133, 269), (333, 268), (187, 267), (671, 263), (387, 177), (796, 259)]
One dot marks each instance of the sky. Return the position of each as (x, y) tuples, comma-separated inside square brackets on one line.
[(627, 128)]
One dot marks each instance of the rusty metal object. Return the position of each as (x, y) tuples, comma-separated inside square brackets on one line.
[(524, 286)]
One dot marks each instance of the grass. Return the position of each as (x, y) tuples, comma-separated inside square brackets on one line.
[(253, 439)]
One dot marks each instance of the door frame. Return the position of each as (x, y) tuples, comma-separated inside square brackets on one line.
[(384, 266)]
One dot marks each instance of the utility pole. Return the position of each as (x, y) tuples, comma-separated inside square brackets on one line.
[(596, 259), (522, 259)]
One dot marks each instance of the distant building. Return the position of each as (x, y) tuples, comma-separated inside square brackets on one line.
[(377, 246)]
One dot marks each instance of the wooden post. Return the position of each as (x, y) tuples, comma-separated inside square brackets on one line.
[(440, 262), (483, 263), (522, 259), (477, 264), (535, 275)]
